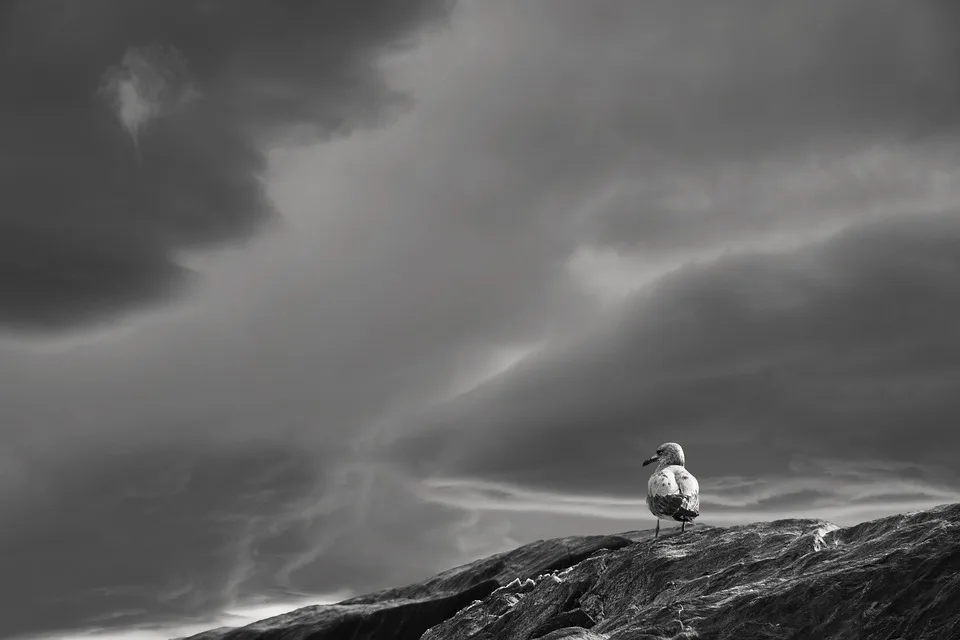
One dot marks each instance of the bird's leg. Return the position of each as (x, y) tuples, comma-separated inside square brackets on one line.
[(658, 529), (683, 527)]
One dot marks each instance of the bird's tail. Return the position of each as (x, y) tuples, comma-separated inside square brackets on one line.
[(685, 515)]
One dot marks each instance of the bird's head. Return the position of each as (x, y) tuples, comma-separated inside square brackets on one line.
[(667, 454)]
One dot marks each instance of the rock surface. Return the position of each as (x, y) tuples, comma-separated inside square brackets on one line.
[(898, 577)]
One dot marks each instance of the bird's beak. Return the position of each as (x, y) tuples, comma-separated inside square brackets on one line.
[(650, 459)]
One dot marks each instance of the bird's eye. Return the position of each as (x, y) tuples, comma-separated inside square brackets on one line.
[(659, 452)]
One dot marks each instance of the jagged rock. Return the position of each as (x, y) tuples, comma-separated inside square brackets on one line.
[(533, 559), (406, 612), (575, 618), (893, 578)]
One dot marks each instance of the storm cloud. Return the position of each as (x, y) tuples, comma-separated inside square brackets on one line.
[(135, 131), (511, 258), (846, 347)]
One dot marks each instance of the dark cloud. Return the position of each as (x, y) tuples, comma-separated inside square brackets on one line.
[(179, 533), (164, 534), (525, 188), (681, 126), (175, 533), (135, 130), (736, 79), (845, 348)]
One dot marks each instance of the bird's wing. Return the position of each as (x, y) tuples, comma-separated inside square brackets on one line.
[(686, 483), (661, 483), (690, 490), (675, 493)]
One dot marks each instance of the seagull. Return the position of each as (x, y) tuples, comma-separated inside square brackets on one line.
[(672, 491)]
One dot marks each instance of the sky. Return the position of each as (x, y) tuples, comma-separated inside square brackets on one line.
[(302, 300)]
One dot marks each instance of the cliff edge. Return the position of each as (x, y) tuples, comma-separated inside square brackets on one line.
[(897, 577)]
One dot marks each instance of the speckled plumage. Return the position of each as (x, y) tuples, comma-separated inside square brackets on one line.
[(673, 493)]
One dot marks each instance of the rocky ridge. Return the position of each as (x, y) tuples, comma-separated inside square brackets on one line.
[(889, 579)]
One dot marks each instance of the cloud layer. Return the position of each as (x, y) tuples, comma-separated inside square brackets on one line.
[(509, 266), (757, 358), (134, 131)]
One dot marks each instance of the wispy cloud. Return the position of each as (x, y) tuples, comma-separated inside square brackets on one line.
[(841, 491), (149, 82)]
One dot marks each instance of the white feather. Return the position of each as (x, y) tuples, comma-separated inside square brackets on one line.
[(673, 480)]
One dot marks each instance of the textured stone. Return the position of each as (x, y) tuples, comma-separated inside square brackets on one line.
[(897, 577)]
